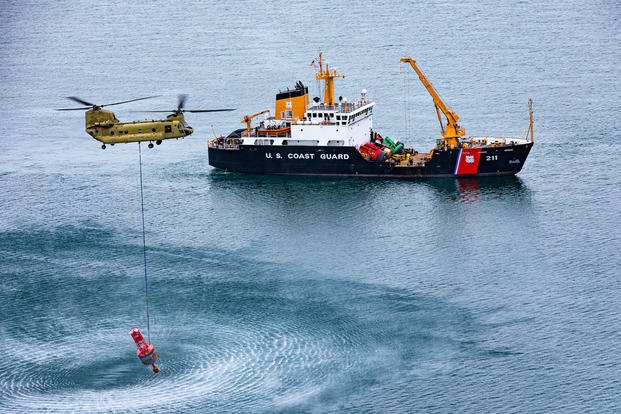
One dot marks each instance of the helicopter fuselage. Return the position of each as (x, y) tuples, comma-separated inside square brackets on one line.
[(106, 128)]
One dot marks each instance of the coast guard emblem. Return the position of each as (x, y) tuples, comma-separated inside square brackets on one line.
[(469, 159)]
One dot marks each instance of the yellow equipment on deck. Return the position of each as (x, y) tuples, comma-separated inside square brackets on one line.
[(247, 119)]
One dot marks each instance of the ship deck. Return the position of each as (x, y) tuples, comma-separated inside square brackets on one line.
[(415, 160)]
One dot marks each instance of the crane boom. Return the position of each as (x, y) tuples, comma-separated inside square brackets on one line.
[(247, 119), (452, 130)]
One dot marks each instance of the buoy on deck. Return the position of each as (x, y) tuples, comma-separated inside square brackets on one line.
[(146, 352)]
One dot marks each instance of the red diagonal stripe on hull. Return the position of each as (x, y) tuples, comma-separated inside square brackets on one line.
[(468, 161)]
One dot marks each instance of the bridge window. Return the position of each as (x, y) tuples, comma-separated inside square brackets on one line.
[(300, 142), (264, 142)]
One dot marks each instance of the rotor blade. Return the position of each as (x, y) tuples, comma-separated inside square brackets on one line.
[(192, 110), (131, 100), (209, 110), (181, 101), (166, 110), (74, 109), (80, 101)]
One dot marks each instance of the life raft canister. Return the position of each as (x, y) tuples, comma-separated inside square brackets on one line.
[(146, 352)]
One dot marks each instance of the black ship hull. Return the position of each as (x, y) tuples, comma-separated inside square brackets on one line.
[(347, 161)]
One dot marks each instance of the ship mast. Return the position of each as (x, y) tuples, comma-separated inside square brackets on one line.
[(328, 76)]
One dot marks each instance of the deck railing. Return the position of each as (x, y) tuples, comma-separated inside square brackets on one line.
[(340, 107), (224, 143)]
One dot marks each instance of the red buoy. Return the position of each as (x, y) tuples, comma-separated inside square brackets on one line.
[(146, 352)]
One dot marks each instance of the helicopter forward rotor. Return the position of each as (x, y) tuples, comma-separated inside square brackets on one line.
[(95, 106)]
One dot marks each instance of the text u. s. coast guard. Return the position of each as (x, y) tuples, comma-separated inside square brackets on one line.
[(307, 156)]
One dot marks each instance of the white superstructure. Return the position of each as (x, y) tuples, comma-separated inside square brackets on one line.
[(343, 124)]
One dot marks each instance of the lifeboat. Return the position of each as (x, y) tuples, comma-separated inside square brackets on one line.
[(276, 131)]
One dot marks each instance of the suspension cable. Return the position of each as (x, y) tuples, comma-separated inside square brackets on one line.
[(144, 247)]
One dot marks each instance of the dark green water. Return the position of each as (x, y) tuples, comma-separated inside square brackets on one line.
[(274, 294)]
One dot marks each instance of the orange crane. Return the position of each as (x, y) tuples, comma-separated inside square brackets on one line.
[(452, 131), (247, 119)]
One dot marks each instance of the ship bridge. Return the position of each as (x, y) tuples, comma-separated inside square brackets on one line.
[(340, 114), (341, 124)]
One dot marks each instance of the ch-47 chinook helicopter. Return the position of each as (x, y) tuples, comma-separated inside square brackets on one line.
[(103, 125)]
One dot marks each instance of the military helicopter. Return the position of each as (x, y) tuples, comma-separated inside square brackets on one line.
[(103, 125)]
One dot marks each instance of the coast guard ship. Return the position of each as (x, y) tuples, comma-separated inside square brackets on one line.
[(336, 138)]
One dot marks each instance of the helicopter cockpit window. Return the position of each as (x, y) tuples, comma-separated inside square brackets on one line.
[(168, 128)]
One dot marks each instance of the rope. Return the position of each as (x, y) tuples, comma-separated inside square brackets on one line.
[(144, 248), (406, 93), (407, 104), (525, 133), (405, 111)]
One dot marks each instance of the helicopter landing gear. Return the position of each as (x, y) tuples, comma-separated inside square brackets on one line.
[(158, 142), (103, 146), (150, 145)]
